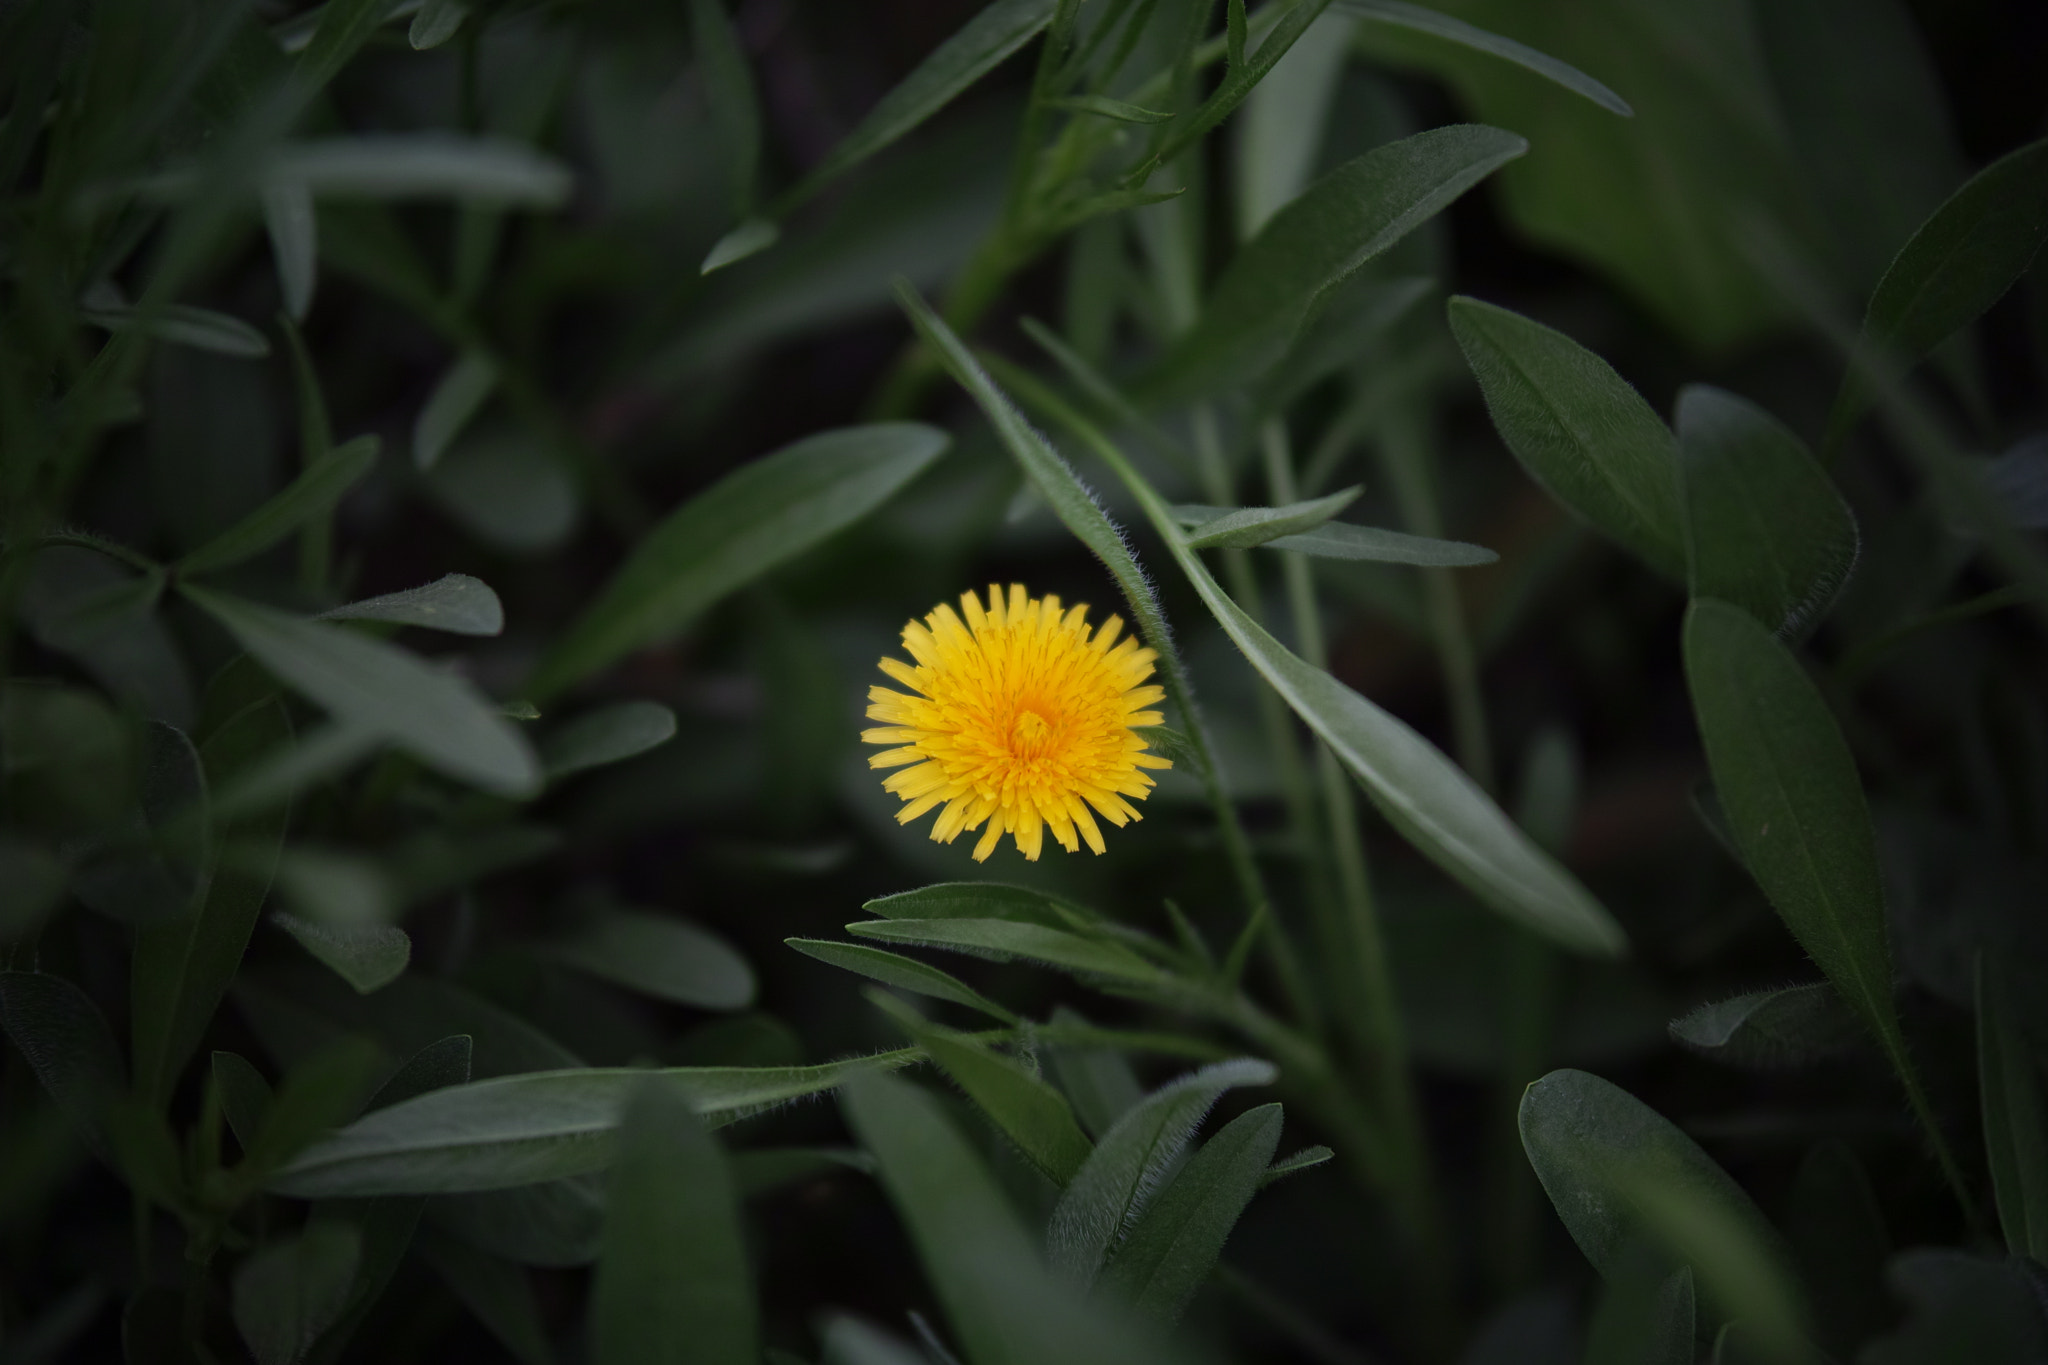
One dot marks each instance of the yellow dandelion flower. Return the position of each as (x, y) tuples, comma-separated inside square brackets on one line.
[(1021, 719)]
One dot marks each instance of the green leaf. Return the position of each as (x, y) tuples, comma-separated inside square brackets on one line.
[(1244, 527), (152, 870), (457, 398), (1960, 262), (1179, 1237), (435, 23), (67, 1043), (1766, 528), (1744, 1270), (244, 1095), (1599, 1152), (659, 956), (288, 1293), (904, 973), (454, 602), (673, 1282), (294, 245), (387, 1226), (295, 1006), (524, 1129), (1643, 1319), (1578, 429), (750, 238), (367, 956), (318, 1093), (1282, 278), (180, 324), (426, 165), (1102, 106), (1007, 940), (510, 487), (998, 30), (1795, 805), (1022, 1107), (181, 969), (849, 1341), (611, 734), (980, 900), (1242, 78), (1098, 1081), (1771, 1030), (983, 1266), (729, 89), (1307, 1159), (1115, 1185), (2015, 1118), (1342, 540), (498, 1293), (748, 523), (313, 494), (1434, 805), (438, 718), (764, 1170), (1439, 25), (556, 1223)]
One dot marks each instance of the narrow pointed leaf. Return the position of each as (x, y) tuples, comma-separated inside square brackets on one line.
[(440, 719), (1960, 262), (1794, 803), (425, 165), (1116, 1183), (612, 734), (1249, 526), (1002, 1306), (244, 1095), (313, 494), (748, 523), (904, 973), (977, 49), (980, 900), (180, 969), (1177, 1241), (288, 1293), (1342, 540), (1578, 429), (2015, 1118), (294, 244), (673, 1281), (1007, 940), (1022, 1107), (367, 956), (729, 89), (1441, 25), (1102, 106), (657, 955), (435, 23), (68, 1045), (181, 324), (1771, 1030), (524, 1129), (1279, 281), (1597, 1150), (457, 398), (1765, 526), (454, 602), (750, 238)]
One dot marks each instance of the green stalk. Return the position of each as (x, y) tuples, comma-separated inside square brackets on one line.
[(1356, 948)]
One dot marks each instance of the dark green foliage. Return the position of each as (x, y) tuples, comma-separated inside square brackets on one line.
[(461, 461)]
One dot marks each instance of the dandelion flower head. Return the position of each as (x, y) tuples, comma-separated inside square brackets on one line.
[(1019, 718)]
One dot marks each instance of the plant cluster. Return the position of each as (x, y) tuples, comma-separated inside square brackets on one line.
[(431, 779)]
